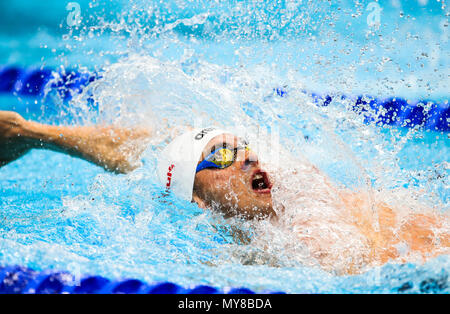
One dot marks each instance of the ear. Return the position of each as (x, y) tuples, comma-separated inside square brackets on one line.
[(199, 201)]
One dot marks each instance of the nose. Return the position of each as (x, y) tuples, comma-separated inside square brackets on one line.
[(248, 159)]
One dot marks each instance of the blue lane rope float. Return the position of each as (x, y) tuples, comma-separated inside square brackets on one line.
[(428, 114), (395, 111), (32, 82), (22, 280)]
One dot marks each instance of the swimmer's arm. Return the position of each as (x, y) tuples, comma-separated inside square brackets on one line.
[(116, 149), (425, 232)]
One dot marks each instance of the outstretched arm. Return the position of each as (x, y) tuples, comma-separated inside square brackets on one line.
[(114, 148)]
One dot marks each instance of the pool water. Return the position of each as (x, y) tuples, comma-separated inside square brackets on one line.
[(222, 60)]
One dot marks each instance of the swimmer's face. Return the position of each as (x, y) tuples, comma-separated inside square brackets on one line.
[(240, 189)]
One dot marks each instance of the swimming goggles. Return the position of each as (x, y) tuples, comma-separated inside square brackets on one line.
[(222, 157)]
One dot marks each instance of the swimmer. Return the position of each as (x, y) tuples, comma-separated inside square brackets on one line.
[(217, 170)]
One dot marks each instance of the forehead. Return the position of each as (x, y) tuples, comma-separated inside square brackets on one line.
[(222, 138)]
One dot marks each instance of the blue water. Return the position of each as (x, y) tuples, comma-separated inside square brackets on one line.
[(63, 213)]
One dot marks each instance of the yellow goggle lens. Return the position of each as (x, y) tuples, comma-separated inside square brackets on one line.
[(223, 157)]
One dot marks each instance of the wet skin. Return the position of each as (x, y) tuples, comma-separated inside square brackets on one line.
[(231, 191)]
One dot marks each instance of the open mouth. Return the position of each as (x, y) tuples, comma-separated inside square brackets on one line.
[(261, 182)]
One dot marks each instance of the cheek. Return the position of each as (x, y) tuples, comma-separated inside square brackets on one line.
[(215, 184), (235, 182), (226, 186)]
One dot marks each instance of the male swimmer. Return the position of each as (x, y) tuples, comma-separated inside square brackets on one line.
[(218, 171)]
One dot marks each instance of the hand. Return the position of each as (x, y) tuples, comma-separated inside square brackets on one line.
[(13, 143)]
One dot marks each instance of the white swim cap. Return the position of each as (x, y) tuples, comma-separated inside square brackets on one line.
[(178, 161)]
